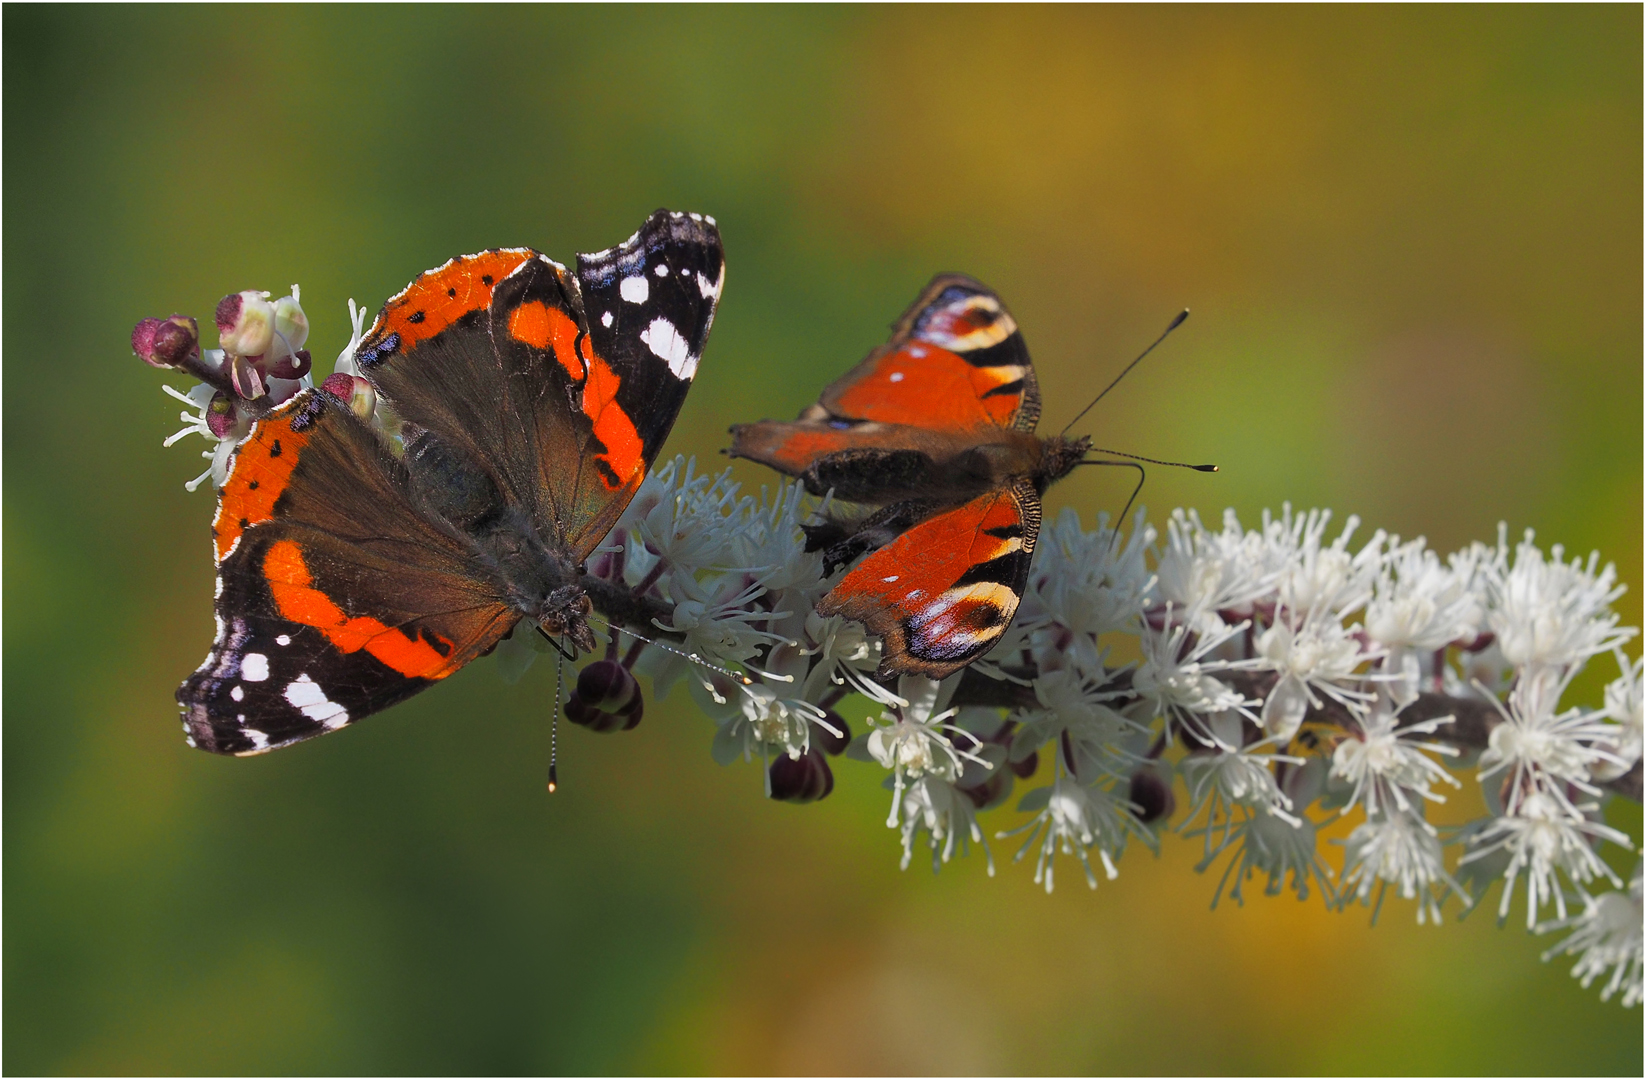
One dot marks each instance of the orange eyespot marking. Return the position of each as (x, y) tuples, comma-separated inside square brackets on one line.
[(544, 327), (438, 298), (291, 584), (612, 425), (262, 470)]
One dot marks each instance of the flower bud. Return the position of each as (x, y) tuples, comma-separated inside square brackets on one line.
[(1025, 768), (1151, 796), (290, 322), (803, 779), (992, 789), (607, 698), (356, 392), (221, 416), (827, 740), (245, 323), (246, 376), (165, 343), (291, 366)]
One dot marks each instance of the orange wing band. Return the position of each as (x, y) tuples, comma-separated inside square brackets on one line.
[(294, 595)]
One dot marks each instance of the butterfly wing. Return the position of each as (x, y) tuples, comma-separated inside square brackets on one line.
[(941, 594), (650, 302), (955, 370), (496, 354), (335, 597)]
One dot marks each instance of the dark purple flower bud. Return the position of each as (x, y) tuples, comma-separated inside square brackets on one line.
[(827, 740), (289, 366), (221, 416), (992, 787), (165, 343), (1025, 768), (803, 779), (245, 323), (1151, 796), (607, 698)]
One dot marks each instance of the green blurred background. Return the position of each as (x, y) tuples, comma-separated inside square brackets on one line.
[(1412, 241)]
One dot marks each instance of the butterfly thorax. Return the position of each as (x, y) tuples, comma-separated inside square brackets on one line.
[(536, 577)]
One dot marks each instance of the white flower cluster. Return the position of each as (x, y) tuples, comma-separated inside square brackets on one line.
[(1279, 677), (1287, 675)]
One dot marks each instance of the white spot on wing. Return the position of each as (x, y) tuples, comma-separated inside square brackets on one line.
[(662, 270), (896, 376), (606, 319), (255, 667), (283, 639), (307, 697), (238, 693), (667, 345), (635, 289), (709, 289)]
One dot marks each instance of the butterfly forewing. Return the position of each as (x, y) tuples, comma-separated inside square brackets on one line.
[(956, 362)]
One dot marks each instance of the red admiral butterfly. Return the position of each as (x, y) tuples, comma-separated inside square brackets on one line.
[(936, 428), (350, 576)]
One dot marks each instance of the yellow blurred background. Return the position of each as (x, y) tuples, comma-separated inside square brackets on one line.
[(1412, 242)]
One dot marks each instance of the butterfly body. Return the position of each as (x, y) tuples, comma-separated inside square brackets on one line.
[(935, 430), (352, 573)]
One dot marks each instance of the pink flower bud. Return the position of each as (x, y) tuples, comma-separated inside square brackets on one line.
[(247, 378), (290, 322), (356, 392), (222, 418), (165, 343), (245, 323), (803, 779)]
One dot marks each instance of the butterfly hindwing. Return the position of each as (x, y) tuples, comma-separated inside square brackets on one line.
[(336, 598), (944, 591)]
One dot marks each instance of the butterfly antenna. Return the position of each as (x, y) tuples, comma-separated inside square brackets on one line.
[(1150, 460), (554, 724), (1177, 322), (1114, 533), (735, 676)]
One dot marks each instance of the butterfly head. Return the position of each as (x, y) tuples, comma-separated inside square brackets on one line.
[(1058, 458), (565, 611)]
